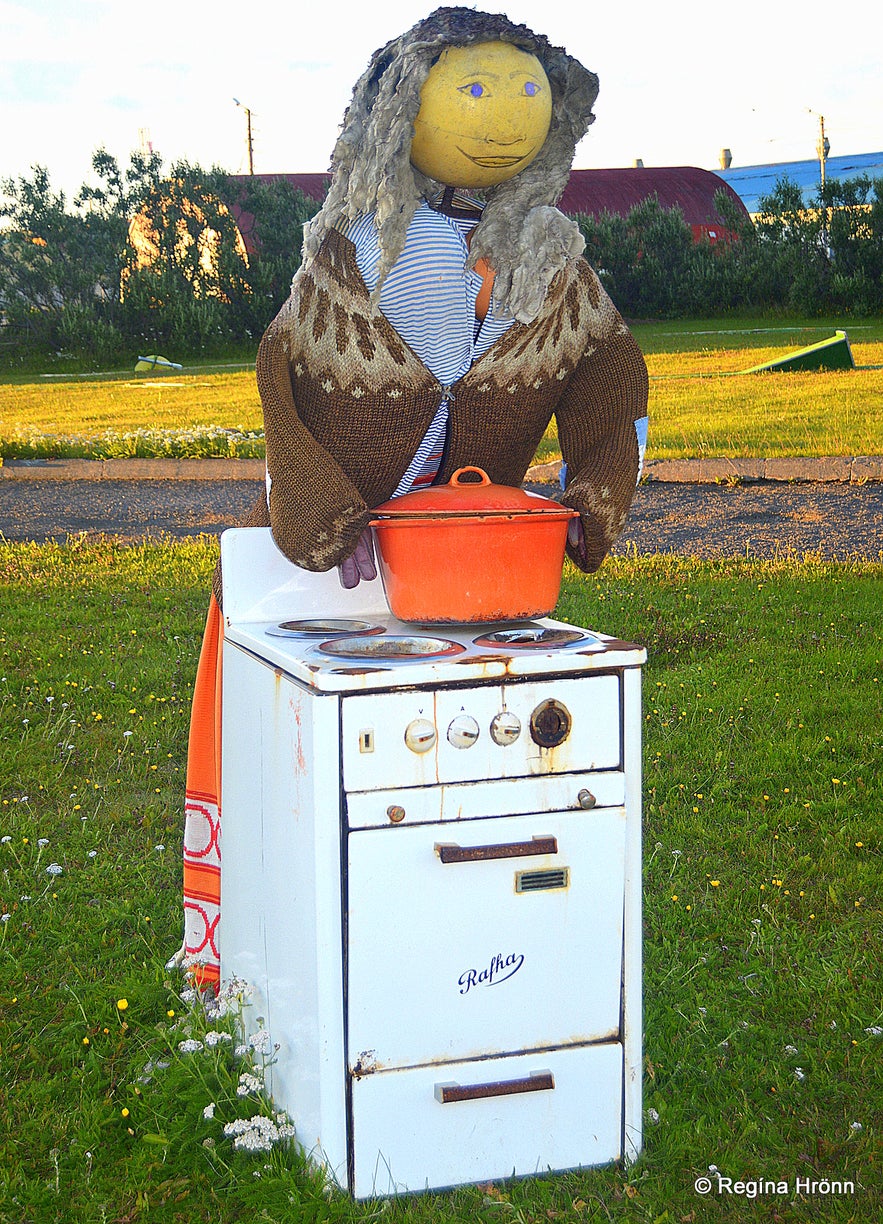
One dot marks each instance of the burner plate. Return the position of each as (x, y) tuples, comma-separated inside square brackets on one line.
[(533, 637), (391, 646), (322, 628)]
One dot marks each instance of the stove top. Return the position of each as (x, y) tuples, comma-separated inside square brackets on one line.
[(337, 640)]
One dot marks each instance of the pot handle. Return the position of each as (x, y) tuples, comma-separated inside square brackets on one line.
[(456, 481)]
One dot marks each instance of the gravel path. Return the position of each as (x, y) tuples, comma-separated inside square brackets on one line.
[(765, 519)]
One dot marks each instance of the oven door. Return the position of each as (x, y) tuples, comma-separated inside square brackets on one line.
[(475, 1121), (483, 938)]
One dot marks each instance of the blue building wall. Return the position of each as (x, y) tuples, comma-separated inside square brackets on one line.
[(752, 182)]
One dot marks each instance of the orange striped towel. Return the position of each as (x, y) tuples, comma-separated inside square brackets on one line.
[(202, 812)]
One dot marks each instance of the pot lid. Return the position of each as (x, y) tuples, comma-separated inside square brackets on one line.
[(464, 494)]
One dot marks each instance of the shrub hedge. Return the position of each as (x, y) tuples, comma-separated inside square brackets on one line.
[(81, 281)]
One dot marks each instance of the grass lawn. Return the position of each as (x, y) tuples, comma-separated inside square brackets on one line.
[(700, 405), (763, 788)]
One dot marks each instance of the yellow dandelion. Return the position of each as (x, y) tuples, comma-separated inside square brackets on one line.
[(124, 1112), (715, 883), (170, 1013), (122, 1004), (85, 1041)]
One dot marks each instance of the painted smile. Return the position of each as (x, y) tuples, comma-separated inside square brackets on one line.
[(494, 162)]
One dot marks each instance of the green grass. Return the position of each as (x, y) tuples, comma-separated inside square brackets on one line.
[(700, 405), (761, 882)]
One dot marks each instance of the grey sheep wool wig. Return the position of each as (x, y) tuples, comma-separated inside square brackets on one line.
[(524, 238)]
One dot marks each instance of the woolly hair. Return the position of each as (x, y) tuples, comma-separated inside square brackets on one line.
[(523, 237)]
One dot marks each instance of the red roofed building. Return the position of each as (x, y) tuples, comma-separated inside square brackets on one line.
[(591, 193)]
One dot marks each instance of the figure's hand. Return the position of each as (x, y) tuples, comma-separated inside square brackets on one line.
[(360, 565), (576, 538)]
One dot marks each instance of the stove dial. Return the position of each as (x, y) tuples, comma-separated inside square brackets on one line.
[(505, 728), (420, 735), (463, 731), (550, 724)]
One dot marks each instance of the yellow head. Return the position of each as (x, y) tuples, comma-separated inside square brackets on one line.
[(484, 115)]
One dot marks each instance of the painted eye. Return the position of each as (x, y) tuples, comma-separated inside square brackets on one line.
[(475, 90), (531, 89)]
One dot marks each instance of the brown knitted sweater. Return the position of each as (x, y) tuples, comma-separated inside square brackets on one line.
[(346, 403)]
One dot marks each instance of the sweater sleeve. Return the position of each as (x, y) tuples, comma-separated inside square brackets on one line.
[(316, 513), (605, 396)]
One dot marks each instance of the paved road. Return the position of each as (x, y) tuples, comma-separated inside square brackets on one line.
[(766, 519)]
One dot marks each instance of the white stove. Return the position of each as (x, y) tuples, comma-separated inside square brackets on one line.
[(431, 878)]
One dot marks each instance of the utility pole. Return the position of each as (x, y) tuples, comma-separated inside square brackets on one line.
[(249, 137), (823, 148)]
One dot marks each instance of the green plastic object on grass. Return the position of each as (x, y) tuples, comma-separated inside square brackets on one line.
[(155, 362), (831, 354)]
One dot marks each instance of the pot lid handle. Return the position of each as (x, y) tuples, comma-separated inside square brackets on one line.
[(456, 481)]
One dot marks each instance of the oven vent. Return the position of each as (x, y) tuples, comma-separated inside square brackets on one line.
[(540, 881)]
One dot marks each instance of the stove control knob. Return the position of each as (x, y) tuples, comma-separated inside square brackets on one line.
[(505, 728), (463, 731), (420, 735), (550, 724)]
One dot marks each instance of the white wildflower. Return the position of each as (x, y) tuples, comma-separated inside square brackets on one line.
[(54, 869), (190, 1046), (159, 848), (856, 1126), (799, 1073), (209, 1112), (248, 1083), (42, 841), (5, 917), (257, 1134), (874, 1030), (653, 1115), (92, 854), (790, 1049), (5, 840), (260, 1041), (213, 1038)]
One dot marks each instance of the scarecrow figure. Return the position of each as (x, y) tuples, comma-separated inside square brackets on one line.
[(427, 330)]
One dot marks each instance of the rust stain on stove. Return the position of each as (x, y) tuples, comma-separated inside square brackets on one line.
[(366, 1064), (356, 671)]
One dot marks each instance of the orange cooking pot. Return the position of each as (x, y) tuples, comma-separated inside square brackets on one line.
[(470, 551)]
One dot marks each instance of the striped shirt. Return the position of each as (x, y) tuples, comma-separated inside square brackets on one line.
[(429, 298)]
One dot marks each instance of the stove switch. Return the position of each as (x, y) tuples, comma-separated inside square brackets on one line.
[(463, 731), (505, 728), (420, 735), (550, 724)]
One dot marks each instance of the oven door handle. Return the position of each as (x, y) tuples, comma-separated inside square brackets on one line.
[(537, 1081), (449, 852)]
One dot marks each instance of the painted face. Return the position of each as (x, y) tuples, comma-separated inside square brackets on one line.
[(484, 115)]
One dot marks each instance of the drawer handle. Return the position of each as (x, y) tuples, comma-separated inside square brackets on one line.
[(450, 853), (450, 1094)]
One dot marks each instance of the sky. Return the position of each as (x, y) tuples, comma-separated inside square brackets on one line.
[(679, 80)]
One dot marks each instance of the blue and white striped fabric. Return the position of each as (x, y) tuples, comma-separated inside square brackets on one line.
[(429, 298)]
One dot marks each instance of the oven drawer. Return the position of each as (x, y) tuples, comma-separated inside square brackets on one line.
[(484, 938), (422, 737), (404, 806), (473, 1122)]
